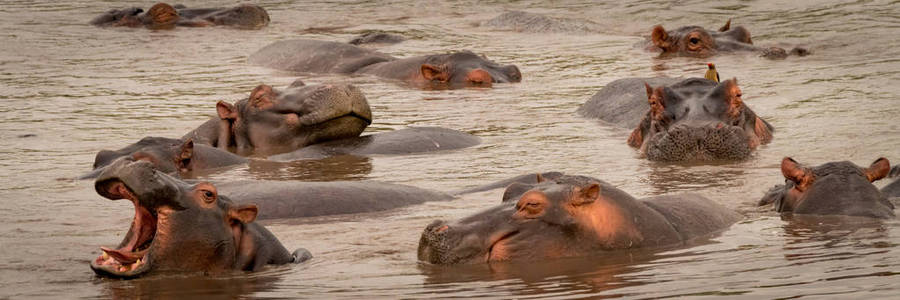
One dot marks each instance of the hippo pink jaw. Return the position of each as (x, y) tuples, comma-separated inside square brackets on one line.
[(132, 258)]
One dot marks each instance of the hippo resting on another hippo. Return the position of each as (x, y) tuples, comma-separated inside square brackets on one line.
[(571, 216), (165, 16), (699, 42), (686, 119), (183, 228), (451, 70), (834, 188)]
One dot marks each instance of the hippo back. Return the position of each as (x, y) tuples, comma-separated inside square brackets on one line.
[(404, 141), (316, 56), (284, 199), (692, 215), (623, 102)]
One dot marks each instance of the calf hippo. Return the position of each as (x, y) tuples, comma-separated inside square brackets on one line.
[(165, 16), (699, 42), (179, 227), (683, 120), (451, 70), (274, 121), (834, 188), (171, 156), (571, 216)]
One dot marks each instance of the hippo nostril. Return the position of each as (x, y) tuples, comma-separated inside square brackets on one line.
[(441, 229)]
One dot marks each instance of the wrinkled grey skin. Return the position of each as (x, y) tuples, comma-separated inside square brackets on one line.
[(244, 16), (403, 141), (273, 121), (554, 219), (698, 42), (171, 156), (695, 120), (451, 70), (183, 228), (834, 188), (294, 199), (376, 38), (521, 21)]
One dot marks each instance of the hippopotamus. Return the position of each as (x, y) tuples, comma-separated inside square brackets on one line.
[(834, 188), (376, 37), (179, 227), (172, 156), (571, 216), (165, 16), (698, 42), (521, 21), (402, 141), (274, 121), (682, 119), (449, 70), (295, 199)]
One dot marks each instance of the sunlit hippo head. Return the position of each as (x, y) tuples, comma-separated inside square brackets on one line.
[(698, 119), (464, 68), (569, 216), (273, 121), (159, 16), (834, 188), (180, 227), (699, 42), (171, 156)]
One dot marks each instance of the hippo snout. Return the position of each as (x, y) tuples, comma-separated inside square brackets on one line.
[(434, 245), (705, 141)]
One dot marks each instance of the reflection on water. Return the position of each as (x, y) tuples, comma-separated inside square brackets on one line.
[(74, 89)]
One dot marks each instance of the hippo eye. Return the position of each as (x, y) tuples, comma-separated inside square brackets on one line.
[(694, 40), (209, 196)]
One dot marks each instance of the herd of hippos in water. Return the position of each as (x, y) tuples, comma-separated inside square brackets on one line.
[(182, 225)]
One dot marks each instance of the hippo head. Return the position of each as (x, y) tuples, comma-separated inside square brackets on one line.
[(570, 216), (246, 16), (464, 69), (176, 226), (171, 156), (834, 188), (113, 17), (698, 119), (699, 42), (272, 121)]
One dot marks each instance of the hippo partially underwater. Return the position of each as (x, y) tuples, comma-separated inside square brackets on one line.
[(179, 227), (699, 42), (681, 119), (834, 188), (165, 16), (570, 216), (450, 70)]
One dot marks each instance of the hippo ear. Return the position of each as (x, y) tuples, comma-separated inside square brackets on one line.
[(657, 100), (434, 73), (587, 195), (660, 37), (801, 176), (226, 111), (245, 214), (732, 96), (185, 153), (726, 26), (262, 97), (539, 178), (878, 170)]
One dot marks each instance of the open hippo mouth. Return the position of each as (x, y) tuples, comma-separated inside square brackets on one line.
[(683, 142), (131, 258)]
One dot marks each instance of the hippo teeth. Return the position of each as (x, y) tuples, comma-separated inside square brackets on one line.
[(122, 257)]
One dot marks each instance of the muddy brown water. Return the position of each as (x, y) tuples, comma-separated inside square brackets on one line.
[(68, 90)]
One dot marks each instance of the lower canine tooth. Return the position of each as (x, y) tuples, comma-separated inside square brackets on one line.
[(138, 262), (105, 255)]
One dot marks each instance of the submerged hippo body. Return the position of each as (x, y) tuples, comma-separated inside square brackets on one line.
[(521, 21), (451, 70), (402, 141), (179, 227), (165, 16), (893, 188), (274, 121), (571, 216), (172, 156), (685, 120), (292, 199), (698, 42), (834, 188)]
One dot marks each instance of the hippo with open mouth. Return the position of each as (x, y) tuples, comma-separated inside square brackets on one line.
[(179, 227), (570, 216)]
